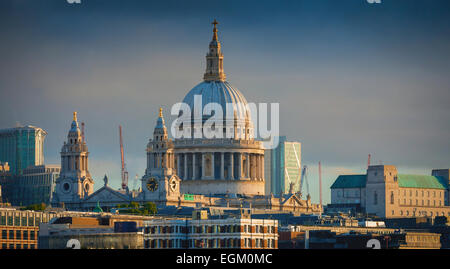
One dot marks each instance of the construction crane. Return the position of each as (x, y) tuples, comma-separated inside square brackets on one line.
[(124, 169), (304, 179), (292, 182), (368, 161), (320, 183)]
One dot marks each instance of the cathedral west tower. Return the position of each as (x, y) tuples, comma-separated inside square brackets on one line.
[(75, 182)]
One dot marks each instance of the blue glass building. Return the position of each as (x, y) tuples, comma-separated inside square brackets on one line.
[(283, 167), (22, 147)]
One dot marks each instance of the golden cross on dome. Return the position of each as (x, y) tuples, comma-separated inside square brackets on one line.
[(160, 112), (74, 116), (215, 30)]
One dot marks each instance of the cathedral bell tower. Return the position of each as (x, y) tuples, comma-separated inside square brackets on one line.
[(75, 182), (160, 182)]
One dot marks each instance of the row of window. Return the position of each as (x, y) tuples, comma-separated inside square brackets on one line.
[(348, 193), (414, 213), (19, 221), (18, 235), (422, 193), (209, 243), (18, 246), (417, 202), (207, 229)]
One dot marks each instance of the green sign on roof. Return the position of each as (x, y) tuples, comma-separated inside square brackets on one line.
[(189, 197)]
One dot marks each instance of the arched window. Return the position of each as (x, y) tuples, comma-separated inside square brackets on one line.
[(392, 197), (375, 198)]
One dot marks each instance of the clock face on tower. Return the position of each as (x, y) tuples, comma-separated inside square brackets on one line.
[(152, 184), (173, 184)]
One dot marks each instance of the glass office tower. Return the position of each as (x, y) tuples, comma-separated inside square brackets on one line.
[(283, 167), (22, 147)]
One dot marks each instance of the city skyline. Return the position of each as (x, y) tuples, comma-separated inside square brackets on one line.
[(365, 94)]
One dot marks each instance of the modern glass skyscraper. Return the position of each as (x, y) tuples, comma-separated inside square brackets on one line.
[(22, 147), (283, 167)]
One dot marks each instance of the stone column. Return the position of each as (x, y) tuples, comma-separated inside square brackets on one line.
[(252, 166), (257, 166), (213, 166), (260, 172), (222, 165), (231, 167), (261, 167), (194, 176), (248, 166), (203, 165), (239, 166), (185, 166), (179, 164)]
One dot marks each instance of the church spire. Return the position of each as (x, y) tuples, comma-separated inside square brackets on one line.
[(215, 30), (74, 126), (160, 124), (214, 59)]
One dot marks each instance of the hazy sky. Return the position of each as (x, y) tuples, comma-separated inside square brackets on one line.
[(351, 78)]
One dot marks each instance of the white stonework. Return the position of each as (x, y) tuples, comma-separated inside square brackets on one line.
[(75, 182), (219, 166), (219, 172)]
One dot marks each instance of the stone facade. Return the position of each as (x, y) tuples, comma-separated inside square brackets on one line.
[(201, 232), (191, 170), (387, 194), (75, 182)]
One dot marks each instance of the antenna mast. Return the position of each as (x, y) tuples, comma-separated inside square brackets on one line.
[(320, 183), (82, 131), (124, 170)]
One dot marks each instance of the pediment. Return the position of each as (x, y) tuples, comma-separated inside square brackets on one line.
[(293, 200), (106, 194)]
